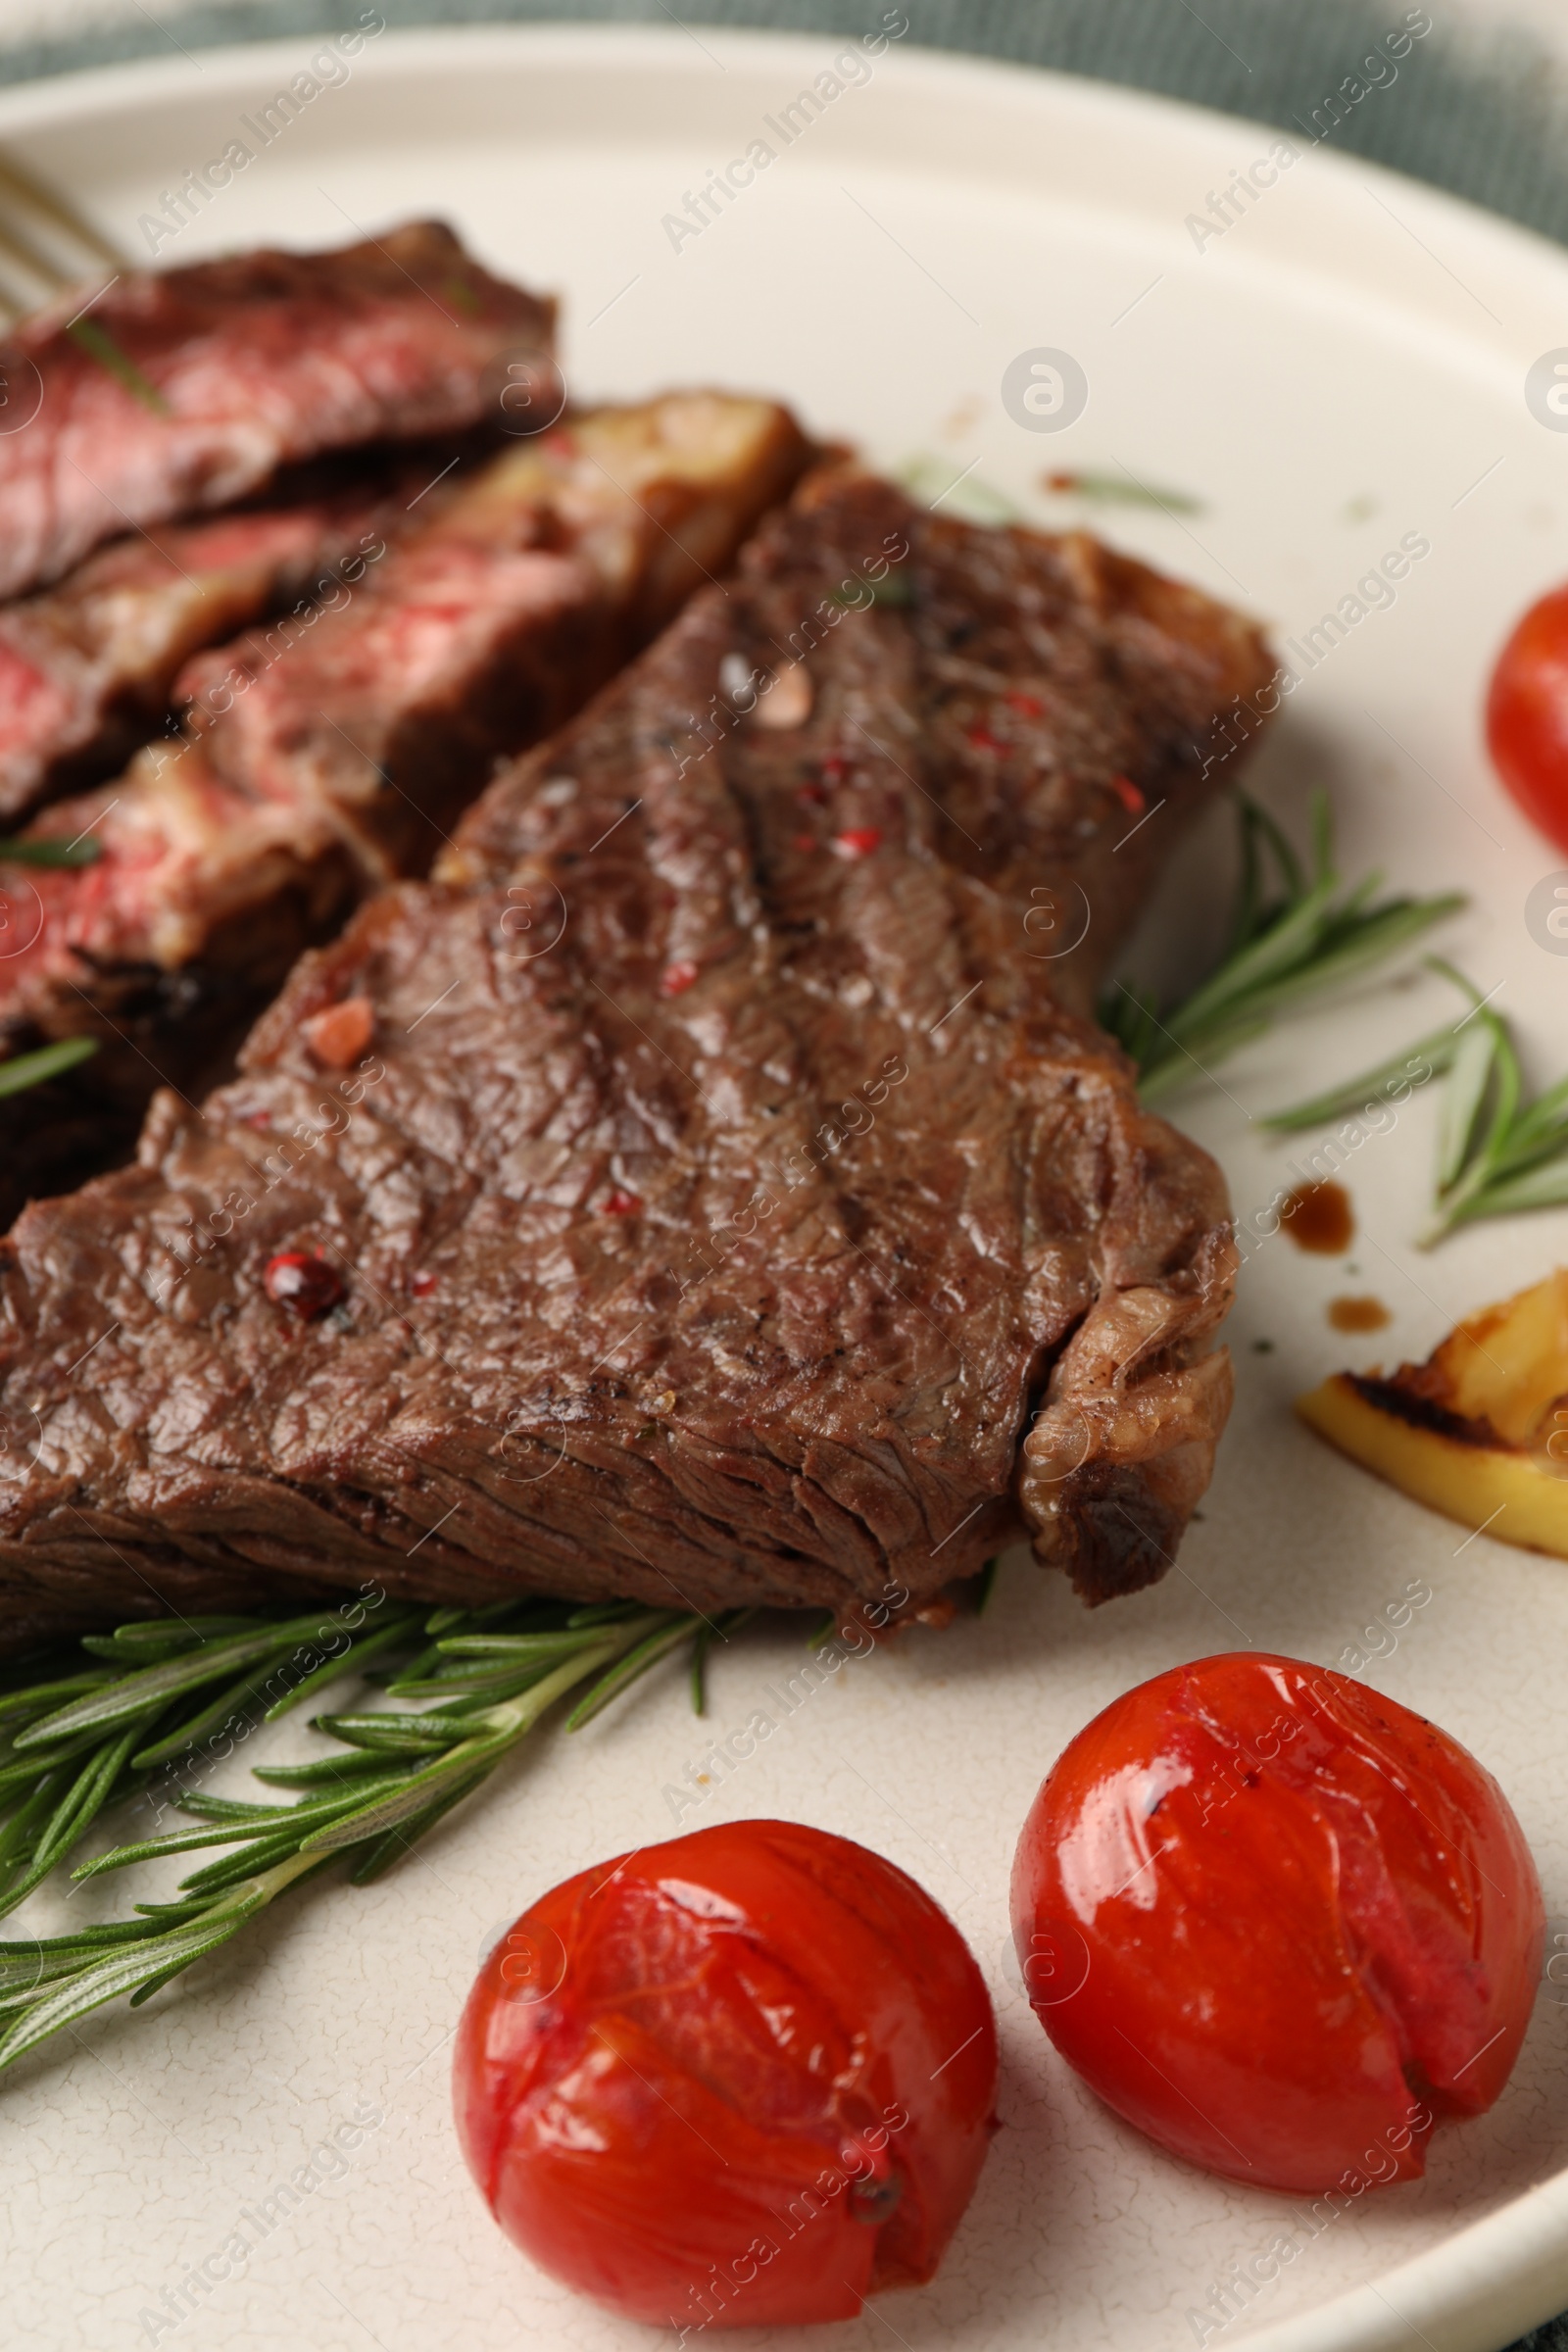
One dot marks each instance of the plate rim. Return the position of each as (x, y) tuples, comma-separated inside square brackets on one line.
[(57, 99)]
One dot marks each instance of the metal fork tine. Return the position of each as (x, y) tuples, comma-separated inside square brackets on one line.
[(13, 306), (16, 248), (30, 192)]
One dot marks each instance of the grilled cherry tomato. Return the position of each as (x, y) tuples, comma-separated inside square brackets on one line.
[(1527, 715), (743, 2078), (1278, 1923)]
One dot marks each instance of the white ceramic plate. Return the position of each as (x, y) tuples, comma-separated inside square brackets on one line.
[(1344, 366)]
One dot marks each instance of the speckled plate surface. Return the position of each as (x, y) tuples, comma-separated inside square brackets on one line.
[(264, 2158)]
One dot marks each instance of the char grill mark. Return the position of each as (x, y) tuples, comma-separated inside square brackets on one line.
[(245, 365), (782, 1229)]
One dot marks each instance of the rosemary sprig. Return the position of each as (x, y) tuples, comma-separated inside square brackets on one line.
[(1122, 490), (78, 1737), (75, 1739), (1498, 1151), (50, 848), (100, 345), (957, 489), (47, 1062), (1294, 933)]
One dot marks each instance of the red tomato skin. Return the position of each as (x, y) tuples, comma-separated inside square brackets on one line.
[(1527, 715), (722, 2044), (1278, 1921)]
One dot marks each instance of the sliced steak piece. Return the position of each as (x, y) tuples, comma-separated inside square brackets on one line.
[(181, 390), (87, 666), (723, 1204), (530, 586), (330, 752)]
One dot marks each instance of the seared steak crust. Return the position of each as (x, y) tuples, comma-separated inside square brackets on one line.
[(730, 1205)]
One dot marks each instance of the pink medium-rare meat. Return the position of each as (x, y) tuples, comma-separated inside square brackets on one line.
[(724, 1202), (87, 666), (183, 390), (375, 732), (533, 579), (351, 735), (332, 750), (224, 853)]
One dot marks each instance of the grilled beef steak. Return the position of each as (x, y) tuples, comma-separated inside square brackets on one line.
[(180, 391), (718, 1199), (87, 666), (331, 752)]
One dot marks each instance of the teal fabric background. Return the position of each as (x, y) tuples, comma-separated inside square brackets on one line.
[(1486, 119)]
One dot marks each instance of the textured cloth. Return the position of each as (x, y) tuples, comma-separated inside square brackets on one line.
[(1480, 108)]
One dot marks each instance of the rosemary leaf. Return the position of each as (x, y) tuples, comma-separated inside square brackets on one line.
[(1531, 1143), (224, 1808), (40, 1697), (79, 1941), (86, 1798), (144, 1993), (1283, 948), (48, 849), (455, 1684), (229, 1869), (267, 1821), (708, 1634), (938, 481), (238, 1699), (395, 1843), (1345, 955), (1116, 490), (122, 1973), (156, 1633), (1544, 1187), (439, 1620), (401, 1803), (1165, 1073), (26, 1880), (627, 1671), (488, 1737), (47, 1062), (1498, 1154), (324, 1772), (396, 1735), (18, 1839), (1289, 940), (512, 1645), (385, 1637), (19, 1770), (155, 1957), (132, 1694), (1468, 1080), (101, 346), (698, 1671)]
